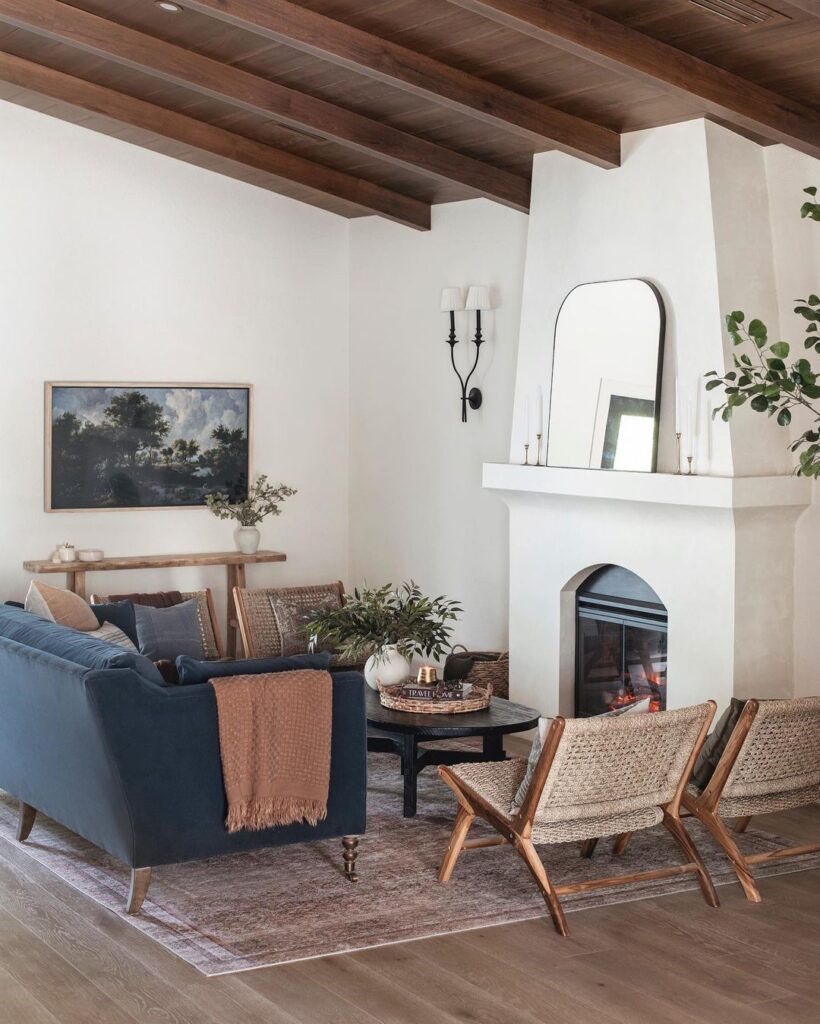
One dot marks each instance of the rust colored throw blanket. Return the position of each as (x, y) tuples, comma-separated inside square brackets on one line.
[(274, 739)]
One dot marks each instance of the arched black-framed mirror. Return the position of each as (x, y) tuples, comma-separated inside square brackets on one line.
[(606, 377)]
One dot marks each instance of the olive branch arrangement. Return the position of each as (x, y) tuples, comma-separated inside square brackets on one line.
[(762, 377), (263, 499)]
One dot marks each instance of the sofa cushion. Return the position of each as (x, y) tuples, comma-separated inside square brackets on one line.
[(60, 606), (120, 614), (192, 671), (169, 632), (72, 645)]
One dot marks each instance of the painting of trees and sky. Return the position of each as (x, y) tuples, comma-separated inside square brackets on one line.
[(136, 446)]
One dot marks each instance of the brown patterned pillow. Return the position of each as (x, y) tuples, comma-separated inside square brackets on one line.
[(292, 617)]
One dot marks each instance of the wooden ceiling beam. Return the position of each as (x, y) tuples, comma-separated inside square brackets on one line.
[(735, 100), (448, 86), (365, 196), (107, 39)]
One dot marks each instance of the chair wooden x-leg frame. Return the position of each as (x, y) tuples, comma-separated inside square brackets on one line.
[(704, 807), (517, 832)]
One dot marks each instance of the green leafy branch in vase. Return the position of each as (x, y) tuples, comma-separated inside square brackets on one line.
[(374, 618), (762, 377)]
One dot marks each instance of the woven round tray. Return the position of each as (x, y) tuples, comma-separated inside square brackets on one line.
[(479, 699)]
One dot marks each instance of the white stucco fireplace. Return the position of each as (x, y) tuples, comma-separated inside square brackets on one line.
[(696, 211), (718, 551)]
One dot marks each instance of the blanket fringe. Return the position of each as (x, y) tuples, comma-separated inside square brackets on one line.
[(256, 815)]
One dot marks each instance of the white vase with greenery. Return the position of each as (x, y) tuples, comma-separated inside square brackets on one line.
[(262, 500), (388, 626)]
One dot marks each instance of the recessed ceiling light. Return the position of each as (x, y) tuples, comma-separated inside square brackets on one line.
[(168, 5)]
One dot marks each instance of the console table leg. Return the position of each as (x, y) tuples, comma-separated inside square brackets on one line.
[(236, 578), (410, 775), (75, 582)]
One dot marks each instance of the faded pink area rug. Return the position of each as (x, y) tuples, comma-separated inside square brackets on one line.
[(274, 906)]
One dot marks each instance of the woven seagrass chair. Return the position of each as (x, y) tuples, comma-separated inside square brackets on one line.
[(593, 777), (208, 623), (771, 763), (260, 633)]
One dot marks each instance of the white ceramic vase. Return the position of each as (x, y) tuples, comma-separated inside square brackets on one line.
[(247, 539), (387, 668)]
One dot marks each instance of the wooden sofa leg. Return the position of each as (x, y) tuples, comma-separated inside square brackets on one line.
[(25, 821), (741, 824), (588, 847), (351, 852), (140, 880)]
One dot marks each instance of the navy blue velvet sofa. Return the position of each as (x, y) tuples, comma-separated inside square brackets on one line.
[(133, 766)]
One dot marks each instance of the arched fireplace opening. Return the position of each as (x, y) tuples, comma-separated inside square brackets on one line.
[(621, 634)]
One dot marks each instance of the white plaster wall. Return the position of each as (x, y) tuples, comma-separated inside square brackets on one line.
[(650, 218), (417, 507), (746, 279), (796, 250), (120, 264)]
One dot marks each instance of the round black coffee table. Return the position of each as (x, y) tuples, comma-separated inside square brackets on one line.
[(400, 732)]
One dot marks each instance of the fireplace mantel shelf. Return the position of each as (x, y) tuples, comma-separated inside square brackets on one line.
[(657, 488)]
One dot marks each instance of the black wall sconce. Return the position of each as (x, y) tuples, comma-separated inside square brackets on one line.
[(478, 299)]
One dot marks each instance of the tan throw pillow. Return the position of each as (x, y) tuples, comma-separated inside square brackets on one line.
[(292, 618), (60, 606)]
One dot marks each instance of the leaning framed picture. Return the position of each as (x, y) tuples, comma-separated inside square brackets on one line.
[(145, 446)]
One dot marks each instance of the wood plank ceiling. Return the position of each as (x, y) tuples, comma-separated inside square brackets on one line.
[(391, 106)]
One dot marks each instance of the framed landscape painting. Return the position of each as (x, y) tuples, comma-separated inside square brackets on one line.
[(128, 446)]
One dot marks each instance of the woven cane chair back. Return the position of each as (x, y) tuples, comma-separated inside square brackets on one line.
[(260, 633), (609, 767), (781, 753)]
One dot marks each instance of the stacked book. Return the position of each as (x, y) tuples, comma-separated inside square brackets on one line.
[(413, 692)]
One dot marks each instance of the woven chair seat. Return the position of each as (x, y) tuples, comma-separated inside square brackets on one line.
[(497, 782)]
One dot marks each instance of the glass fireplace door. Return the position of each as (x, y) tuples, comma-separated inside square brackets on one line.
[(620, 662)]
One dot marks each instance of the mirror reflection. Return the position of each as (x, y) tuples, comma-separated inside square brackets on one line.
[(607, 361)]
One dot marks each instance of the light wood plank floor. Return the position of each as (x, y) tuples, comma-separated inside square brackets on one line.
[(65, 960)]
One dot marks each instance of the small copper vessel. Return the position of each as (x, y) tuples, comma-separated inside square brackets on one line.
[(427, 676)]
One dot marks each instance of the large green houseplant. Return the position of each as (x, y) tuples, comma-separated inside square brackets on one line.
[(762, 376), (388, 626)]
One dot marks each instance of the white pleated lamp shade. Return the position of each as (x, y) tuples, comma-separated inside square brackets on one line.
[(451, 300), (478, 297)]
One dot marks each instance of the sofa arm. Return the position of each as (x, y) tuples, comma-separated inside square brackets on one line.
[(165, 743)]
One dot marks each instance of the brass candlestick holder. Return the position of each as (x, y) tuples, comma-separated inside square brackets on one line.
[(677, 453), (526, 461), (538, 449), (689, 468)]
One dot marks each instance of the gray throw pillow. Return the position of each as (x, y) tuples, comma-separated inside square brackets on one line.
[(165, 633), (712, 750)]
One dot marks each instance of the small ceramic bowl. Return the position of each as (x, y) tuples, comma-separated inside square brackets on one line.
[(90, 555)]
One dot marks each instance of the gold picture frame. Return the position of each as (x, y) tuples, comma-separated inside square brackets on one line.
[(105, 434)]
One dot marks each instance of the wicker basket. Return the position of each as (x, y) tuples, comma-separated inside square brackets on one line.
[(479, 699), (489, 668)]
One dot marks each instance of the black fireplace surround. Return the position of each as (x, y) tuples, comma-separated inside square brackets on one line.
[(621, 633)]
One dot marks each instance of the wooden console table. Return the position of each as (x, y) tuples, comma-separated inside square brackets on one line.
[(234, 562)]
